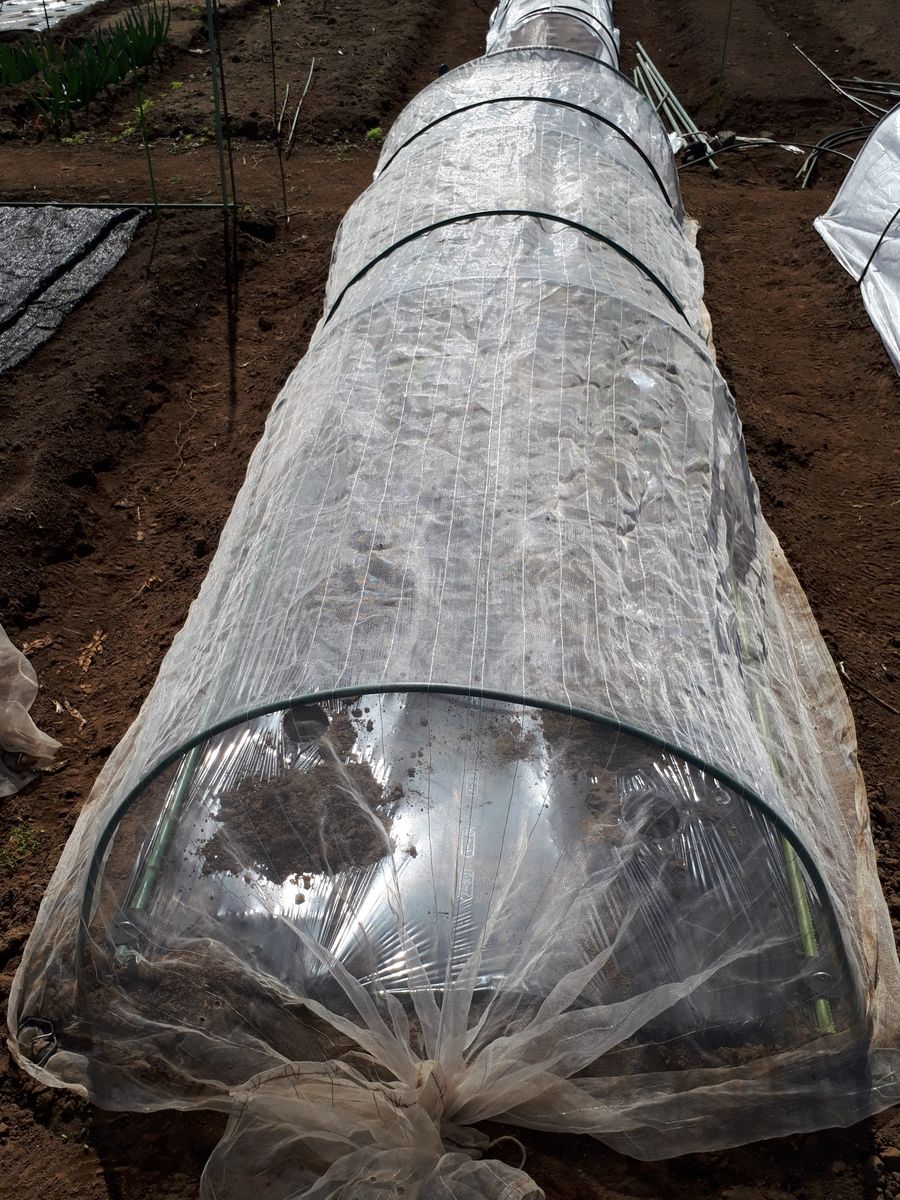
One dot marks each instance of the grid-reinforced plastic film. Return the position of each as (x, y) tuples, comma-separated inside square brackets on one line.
[(499, 770)]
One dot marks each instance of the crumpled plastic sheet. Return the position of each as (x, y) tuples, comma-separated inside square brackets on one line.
[(862, 228), (38, 14), (22, 745), (50, 258), (353, 876)]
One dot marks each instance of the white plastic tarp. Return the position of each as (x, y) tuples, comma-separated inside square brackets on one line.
[(862, 228), (22, 745)]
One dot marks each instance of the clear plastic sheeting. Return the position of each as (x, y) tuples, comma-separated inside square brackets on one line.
[(586, 28), (583, 174), (50, 258), (499, 770), (23, 747), (529, 915), (862, 228), (569, 99)]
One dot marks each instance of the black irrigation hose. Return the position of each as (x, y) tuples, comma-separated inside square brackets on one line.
[(829, 145), (579, 108), (62, 268), (871, 109), (509, 212), (877, 247), (762, 145), (846, 135), (883, 84), (886, 93)]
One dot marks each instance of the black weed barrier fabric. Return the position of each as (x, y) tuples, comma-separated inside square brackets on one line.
[(50, 259)]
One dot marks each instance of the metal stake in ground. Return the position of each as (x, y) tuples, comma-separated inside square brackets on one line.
[(217, 104), (276, 119), (721, 78), (142, 121)]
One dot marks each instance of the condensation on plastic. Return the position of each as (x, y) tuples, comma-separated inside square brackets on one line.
[(351, 876), (50, 258), (862, 228), (22, 745)]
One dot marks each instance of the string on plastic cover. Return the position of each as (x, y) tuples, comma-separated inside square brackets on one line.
[(499, 772)]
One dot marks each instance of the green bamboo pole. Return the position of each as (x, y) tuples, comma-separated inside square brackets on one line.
[(163, 837), (217, 106), (142, 121), (808, 939)]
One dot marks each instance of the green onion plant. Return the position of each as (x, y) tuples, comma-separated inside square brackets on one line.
[(61, 78)]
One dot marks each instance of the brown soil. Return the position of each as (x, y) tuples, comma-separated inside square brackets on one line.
[(325, 820), (330, 818), (364, 59), (341, 736), (511, 742), (125, 438), (304, 723), (201, 988), (582, 747)]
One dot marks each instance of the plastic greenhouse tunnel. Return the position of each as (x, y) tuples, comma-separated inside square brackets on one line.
[(499, 771), (862, 225)]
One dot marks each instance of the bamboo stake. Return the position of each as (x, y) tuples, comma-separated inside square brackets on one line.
[(299, 106), (217, 111)]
